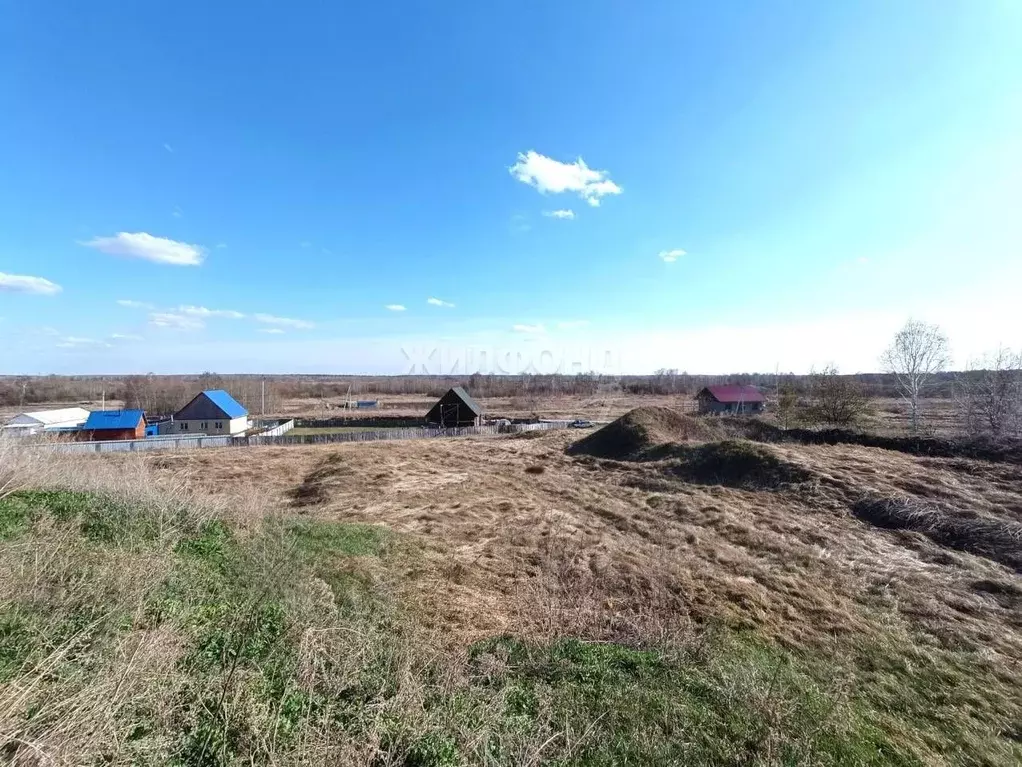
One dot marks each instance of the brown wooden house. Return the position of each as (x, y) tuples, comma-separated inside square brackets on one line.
[(114, 424)]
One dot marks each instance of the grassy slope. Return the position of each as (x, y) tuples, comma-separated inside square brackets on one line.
[(141, 635)]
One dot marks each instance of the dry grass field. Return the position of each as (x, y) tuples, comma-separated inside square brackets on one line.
[(503, 518), (850, 605)]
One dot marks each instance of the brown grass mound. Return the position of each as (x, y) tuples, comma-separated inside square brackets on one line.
[(737, 463), (641, 429), (994, 539)]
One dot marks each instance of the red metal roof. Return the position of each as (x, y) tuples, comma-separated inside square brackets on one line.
[(729, 393)]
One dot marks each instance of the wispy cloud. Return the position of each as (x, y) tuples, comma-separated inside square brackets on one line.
[(149, 248), (564, 213), (523, 328), (221, 245), (74, 342), (169, 148), (572, 324), (439, 302), (549, 175), (670, 256), (286, 322), (132, 304), (126, 337), (23, 283), (273, 331), (175, 321), (305, 244), (395, 307), (177, 212), (202, 311)]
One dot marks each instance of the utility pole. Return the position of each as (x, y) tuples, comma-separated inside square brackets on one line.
[(264, 397)]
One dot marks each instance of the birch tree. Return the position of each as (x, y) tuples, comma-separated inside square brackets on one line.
[(989, 394), (917, 353)]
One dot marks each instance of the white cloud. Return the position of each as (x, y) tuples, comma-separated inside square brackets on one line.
[(132, 304), (177, 212), (175, 321), (549, 175), (75, 342), (287, 322), (274, 331), (202, 311), (670, 256), (572, 324), (169, 148), (305, 244), (565, 213), (521, 328), (149, 248), (23, 283), (395, 307), (439, 302), (126, 337), (221, 245)]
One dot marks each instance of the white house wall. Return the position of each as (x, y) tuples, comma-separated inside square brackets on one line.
[(233, 426)]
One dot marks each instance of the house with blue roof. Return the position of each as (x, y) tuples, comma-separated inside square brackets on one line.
[(114, 424), (211, 412)]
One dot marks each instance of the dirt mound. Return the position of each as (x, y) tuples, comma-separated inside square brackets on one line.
[(982, 448), (736, 463), (995, 539), (640, 430)]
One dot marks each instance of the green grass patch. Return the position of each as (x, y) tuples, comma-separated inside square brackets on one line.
[(739, 701), (332, 539)]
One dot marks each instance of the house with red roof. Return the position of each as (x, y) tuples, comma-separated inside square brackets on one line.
[(732, 399)]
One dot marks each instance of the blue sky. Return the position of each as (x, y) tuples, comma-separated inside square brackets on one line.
[(622, 186)]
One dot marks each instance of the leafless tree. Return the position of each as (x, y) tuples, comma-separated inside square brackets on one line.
[(918, 352), (989, 394), (788, 405), (834, 399)]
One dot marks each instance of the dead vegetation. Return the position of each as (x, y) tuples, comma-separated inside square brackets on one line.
[(634, 434), (907, 604), (990, 537)]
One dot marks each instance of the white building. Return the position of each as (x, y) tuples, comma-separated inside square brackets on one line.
[(27, 424)]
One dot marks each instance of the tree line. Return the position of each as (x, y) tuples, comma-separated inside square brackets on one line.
[(987, 395)]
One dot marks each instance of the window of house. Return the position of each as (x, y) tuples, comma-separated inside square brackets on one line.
[(204, 425), (184, 426), (219, 424)]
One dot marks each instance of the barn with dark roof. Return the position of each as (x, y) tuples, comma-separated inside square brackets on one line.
[(211, 412), (455, 408), (730, 398)]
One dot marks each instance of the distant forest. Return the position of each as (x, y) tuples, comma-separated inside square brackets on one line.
[(164, 394)]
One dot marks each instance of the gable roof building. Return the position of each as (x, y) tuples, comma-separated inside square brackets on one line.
[(46, 420), (730, 398), (114, 424), (213, 411), (455, 408)]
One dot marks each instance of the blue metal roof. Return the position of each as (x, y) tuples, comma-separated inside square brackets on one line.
[(226, 402), (113, 419)]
